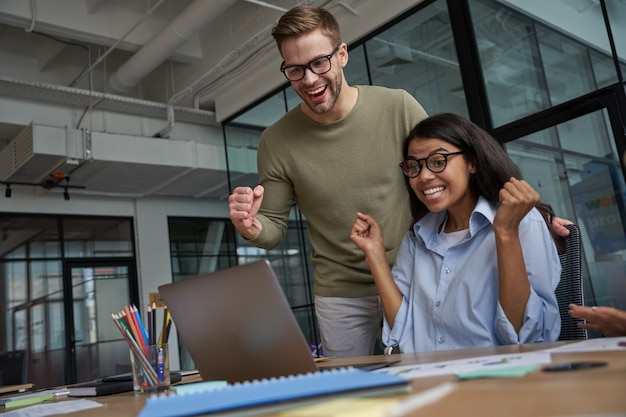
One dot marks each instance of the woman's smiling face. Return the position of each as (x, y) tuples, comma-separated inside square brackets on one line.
[(448, 189)]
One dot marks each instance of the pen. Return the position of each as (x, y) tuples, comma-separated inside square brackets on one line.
[(166, 318), (153, 324), (32, 394), (28, 401), (161, 363), (419, 400), (149, 327), (167, 330)]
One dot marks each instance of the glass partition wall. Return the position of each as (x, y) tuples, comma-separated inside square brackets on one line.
[(61, 278), (529, 66), (583, 181), (533, 67)]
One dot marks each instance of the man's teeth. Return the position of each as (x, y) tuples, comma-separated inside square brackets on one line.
[(317, 91), (433, 190)]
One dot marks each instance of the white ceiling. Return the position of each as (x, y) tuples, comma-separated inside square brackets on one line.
[(179, 51), (206, 58)]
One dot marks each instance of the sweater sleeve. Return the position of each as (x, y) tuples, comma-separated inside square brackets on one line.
[(278, 199)]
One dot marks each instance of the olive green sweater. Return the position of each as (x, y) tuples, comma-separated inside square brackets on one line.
[(332, 171)]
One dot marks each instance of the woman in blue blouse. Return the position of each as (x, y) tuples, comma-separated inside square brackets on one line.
[(479, 266)]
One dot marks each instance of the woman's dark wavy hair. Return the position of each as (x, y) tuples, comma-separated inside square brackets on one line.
[(494, 167)]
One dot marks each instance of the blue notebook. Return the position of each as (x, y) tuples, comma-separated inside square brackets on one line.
[(249, 398)]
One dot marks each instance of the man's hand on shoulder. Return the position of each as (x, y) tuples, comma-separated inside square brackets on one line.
[(558, 226)]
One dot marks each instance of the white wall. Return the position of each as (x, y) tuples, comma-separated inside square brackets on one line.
[(153, 251)]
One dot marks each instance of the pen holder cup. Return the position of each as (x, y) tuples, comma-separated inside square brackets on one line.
[(151, 369)]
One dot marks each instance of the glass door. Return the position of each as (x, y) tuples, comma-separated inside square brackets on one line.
[(96, 347), (575, 164)]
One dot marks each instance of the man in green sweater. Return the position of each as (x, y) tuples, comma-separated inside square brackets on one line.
[(333, 155)]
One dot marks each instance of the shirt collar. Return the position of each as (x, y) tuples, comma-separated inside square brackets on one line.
[(427, 228)]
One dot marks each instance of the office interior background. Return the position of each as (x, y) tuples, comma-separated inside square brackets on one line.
[(125, 124)]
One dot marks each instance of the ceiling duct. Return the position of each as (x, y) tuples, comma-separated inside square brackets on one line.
[(121, 165), (68, 96), (26, 160), (189, 22)]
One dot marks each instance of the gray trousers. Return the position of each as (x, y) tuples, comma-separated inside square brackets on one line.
[(349, 326)]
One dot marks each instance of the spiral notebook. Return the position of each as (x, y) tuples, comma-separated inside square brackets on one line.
[(271, 395)]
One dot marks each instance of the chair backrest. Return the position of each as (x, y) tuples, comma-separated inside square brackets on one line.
[(570, 289), (14, 367)]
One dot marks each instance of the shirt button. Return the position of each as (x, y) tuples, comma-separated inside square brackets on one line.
[(438, 303), (447, 271), (441, 339)]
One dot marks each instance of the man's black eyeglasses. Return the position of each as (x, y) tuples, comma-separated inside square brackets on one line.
[(435, 162), (318, 66)]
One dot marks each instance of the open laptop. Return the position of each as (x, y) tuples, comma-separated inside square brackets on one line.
[(238, 325)]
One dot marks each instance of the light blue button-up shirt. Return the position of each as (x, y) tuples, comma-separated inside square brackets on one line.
[(450, 295)]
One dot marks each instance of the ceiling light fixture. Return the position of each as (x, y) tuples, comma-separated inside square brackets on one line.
[(46, 184)]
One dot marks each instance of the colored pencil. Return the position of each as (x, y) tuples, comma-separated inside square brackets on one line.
[(132, 322), (137, 351), (142, 328)]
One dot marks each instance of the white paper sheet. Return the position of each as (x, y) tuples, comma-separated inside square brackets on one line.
[(590, 345), (468, 365)]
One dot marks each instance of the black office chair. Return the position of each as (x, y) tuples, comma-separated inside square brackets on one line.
[(14, 367), (570, 289)]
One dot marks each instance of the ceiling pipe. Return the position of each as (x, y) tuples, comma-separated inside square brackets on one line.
[(114, 46), (184, 26), (265, 4)]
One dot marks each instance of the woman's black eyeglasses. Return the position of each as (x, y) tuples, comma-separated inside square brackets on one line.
[(318, 66), (435, 162)]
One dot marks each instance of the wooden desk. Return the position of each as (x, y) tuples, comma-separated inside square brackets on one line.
[(592, 391)]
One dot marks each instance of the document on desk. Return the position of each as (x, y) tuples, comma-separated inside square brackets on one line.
[(467, 365), (373, 407), (593, 345)]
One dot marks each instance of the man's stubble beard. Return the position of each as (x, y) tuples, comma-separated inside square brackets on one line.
[(336, 90)]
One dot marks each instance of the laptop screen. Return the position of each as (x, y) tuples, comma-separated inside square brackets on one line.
[(237, 324)]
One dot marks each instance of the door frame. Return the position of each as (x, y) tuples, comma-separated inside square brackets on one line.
[(612, 98), (68, 301)]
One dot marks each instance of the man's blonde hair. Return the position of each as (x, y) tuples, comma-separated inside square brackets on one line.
[(304, 19)]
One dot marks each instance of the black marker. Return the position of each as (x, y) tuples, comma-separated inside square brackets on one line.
[(573, 366)]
